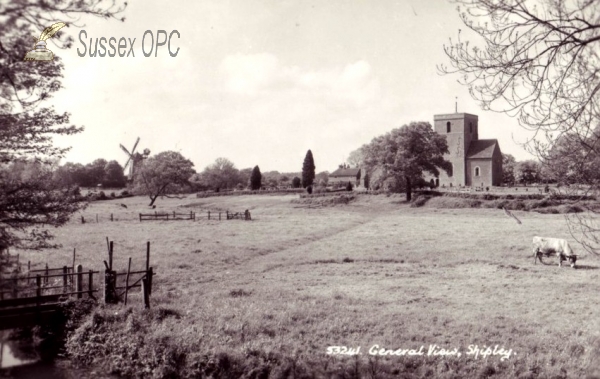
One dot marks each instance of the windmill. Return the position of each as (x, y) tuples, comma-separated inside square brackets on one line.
[(131, 160)]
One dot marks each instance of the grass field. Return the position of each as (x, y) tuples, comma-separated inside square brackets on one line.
[(269, 296)]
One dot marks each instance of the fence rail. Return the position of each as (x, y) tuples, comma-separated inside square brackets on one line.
[(167, 216)]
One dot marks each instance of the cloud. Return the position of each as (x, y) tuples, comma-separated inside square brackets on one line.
[(262, 74), (249, 74)]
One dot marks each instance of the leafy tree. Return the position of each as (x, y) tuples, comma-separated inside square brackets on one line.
[(95, 171), (255, 179), (527, 172), (221, 175), (322, 178), (308, 170), (271, 178), (113, 175), (405, 153), (508, 169), (356, 158), (163, 173), (245, 175), (296, 182), (30, 204), (570, 162)]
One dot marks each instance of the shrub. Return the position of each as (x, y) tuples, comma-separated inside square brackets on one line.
[(124, 193), (570, 208), (349, 186), (309, 190), (296, 182), (75, 191), (419, 201), (102, 196), (112, 194)]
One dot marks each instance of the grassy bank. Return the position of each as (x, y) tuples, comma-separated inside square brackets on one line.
[(267, 298), (535, 203)]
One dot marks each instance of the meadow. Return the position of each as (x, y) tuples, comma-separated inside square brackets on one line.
[(269, 298)]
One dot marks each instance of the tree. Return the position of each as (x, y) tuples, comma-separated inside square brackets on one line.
[(405, 153), (308, 170), (527, 172), (356, 158), (30, 204), (244, 175), (322, 178), (221, 175), (296, 182), (367, 181), (95, 171), (255, 179), (508, 169), (569, 162), (162, 173), (113, 175)]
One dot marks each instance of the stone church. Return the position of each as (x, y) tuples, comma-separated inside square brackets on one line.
[(475, 162)]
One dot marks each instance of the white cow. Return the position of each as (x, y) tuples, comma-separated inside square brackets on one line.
[(543, 246)]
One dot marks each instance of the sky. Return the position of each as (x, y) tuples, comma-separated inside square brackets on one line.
[(260, 82)]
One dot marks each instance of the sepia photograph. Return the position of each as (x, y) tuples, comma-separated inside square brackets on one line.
[(295, 189)]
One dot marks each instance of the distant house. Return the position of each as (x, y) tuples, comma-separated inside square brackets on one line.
[(343, 175)]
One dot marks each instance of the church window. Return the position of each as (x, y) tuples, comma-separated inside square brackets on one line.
[(448, 127), (476, 171)]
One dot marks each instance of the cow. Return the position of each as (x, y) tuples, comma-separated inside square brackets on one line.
[(543, 246)]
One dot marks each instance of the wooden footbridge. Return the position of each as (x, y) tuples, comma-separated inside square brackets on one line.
[(35, 297)]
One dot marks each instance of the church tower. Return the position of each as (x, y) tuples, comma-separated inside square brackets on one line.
[(460, 130)]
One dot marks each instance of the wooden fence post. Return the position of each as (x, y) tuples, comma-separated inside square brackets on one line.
[(145, 294), (209, 215), (79, 283), (149, 275), (38, 290), (110, 279), (111, 217), (147, 255), (65, 279), (219, 216), (82, 220), (110, 255), (127, 280), (96, 218), (46, 274), (91, 283), (140, 217)]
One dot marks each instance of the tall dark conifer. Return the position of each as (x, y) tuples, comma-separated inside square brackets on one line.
[(308, 170), (255, 178)]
